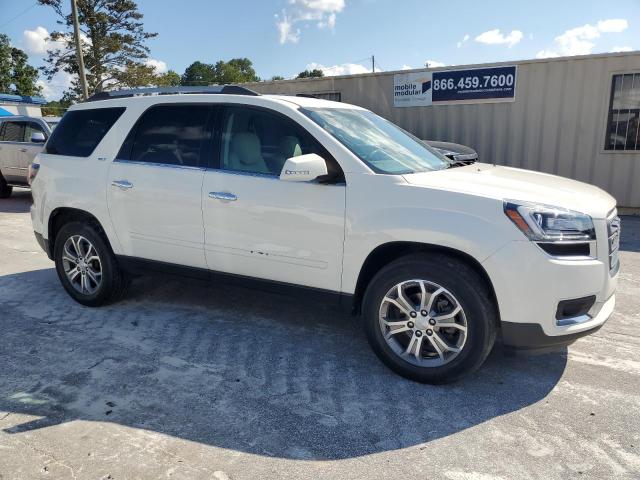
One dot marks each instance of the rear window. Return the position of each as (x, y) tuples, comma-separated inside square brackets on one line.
[(80, 131)]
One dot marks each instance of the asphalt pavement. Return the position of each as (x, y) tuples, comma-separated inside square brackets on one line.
[(188, 380)]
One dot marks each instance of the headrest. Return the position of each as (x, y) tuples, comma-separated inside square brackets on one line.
[(290, 147), (246, 146)]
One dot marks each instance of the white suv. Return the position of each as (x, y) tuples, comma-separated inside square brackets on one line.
[(325, 199)]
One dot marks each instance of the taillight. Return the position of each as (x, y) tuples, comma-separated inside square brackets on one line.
[(33, 171)]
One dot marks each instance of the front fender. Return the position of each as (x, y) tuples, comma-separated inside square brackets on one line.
[(475, 226)]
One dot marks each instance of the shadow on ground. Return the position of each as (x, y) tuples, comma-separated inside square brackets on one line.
[(234, 368), (19, 202)]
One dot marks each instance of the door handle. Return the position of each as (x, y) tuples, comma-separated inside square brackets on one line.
[(123, 184), (229, 197)]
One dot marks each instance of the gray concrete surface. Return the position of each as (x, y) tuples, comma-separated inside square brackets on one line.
[(188, 380)]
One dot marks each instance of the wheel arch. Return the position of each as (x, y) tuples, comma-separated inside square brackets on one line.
[(386, 253), (63, 215)]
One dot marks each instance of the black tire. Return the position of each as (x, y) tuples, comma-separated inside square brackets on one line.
[(113, 283), (5, 190), (469, 290)]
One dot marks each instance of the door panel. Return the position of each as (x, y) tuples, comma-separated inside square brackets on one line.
[(159, 215), (155, 185), (284, 231)]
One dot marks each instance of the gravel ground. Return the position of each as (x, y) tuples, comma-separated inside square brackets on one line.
[(188, 380)]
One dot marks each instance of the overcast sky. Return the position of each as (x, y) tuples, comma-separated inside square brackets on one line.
[(283, 37)]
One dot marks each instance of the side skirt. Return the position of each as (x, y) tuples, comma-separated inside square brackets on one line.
[(141, 266)]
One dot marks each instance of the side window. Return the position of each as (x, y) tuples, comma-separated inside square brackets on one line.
[(258, 141), (170, 135), (80, 131), (623, 125), (13, 131), (31, 128)]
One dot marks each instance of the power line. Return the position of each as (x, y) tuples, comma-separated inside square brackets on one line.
[(18, 15)]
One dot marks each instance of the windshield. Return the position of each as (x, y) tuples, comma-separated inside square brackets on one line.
[(383, 146)]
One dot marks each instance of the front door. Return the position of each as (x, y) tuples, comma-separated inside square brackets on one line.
[(154, 191), (259, 226)]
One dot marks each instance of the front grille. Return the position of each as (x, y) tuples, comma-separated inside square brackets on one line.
[(613, 232)]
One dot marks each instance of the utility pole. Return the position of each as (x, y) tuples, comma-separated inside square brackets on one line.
[(76, 33), (373, 63)]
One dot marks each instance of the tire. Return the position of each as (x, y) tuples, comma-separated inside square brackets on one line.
[(452, 284), (112, 282), (5, 190)]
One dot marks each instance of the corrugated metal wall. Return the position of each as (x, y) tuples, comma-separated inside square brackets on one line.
[(556, 124)]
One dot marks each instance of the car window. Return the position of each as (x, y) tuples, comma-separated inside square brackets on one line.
[(383, 146), (258, 141), (31, 128), (80, 131), (12, 131), (169, 135)]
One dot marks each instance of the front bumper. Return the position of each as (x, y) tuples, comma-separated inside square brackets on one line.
[(529, 284), (530, 336)]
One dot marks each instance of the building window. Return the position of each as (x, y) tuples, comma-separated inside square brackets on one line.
[(623, 126)]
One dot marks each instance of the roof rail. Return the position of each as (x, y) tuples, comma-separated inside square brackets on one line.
[(134, 92)]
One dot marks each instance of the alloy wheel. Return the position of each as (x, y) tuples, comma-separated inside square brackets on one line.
[(423, 323), (82, 265)]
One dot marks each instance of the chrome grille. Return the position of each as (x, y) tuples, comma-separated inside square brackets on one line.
[(613, 231)]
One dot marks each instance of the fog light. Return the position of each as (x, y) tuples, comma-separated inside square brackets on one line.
[(574, 310)]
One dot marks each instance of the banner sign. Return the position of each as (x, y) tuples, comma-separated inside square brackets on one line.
[(417, 89)]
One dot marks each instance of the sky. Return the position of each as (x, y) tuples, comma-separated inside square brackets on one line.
[(284, 37)]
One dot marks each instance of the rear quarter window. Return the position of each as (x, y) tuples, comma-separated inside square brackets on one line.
[(80, 131)]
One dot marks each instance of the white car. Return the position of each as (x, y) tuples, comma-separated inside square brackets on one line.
[(321, 199)]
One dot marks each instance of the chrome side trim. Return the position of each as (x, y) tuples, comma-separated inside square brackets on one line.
[(271, 176), (163, 165)]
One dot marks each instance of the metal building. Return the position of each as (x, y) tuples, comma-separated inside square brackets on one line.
[(572, 116)]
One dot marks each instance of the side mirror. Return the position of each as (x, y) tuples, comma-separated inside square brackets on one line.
[(38, 137), (303, 168)]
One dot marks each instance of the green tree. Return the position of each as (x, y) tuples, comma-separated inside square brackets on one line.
[(236, 70), (16, 75), (113, 42), (315, 73), (198, 73), (55, 108), (276, 78), (168, 79)]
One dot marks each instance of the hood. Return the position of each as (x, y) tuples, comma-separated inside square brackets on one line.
[(507, 183)]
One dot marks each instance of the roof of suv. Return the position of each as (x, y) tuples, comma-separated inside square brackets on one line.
[(215, 94)]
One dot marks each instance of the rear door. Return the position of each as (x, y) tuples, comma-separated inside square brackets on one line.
[(260, 226), (11, 144), (154, 190)]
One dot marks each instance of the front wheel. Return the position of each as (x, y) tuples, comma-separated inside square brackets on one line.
[(430, 318), (86, 266)]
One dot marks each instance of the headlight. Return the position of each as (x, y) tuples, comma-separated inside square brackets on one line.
[(544, 223)]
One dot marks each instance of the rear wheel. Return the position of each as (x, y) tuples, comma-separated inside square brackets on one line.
[(86, 266), (430, 318), (5, 190)]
